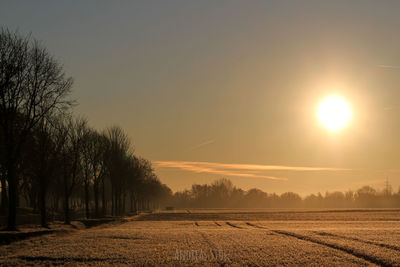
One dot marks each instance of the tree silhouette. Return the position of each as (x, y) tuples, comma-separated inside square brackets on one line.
[(94, 145), (48, 155), (71, 160), (223, 194), (32, 86)]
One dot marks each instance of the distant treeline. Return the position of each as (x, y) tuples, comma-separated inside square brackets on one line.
[(53, 161), (223, 194)]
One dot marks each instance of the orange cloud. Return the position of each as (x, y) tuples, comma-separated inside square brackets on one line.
[(201, 167), (241, 170)]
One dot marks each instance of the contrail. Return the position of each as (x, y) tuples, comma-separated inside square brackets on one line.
[(389, 66), (203, 144)]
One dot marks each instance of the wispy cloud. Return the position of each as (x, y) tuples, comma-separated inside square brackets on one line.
[(391, 107), (241, 170), (203, 144), (389, 66), (394, 170)]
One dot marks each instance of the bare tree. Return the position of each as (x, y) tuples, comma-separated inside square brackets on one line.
[(93, 150), (3, 180), (52, 136), (41, 157), (32, 86), (86, 165), (117, 161), (72, 160)]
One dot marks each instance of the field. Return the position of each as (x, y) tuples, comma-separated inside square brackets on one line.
[(222, 237)]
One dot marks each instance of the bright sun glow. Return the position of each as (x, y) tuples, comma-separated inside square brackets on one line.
[(334, 113)]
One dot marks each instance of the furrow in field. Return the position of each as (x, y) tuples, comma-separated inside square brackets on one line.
[(256, 226), (251, 246), (241, 247), (207, 240), (359, 240), (233, 225), (348, 250), (213, 248)]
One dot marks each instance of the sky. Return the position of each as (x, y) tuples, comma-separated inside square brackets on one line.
[(212, 89)]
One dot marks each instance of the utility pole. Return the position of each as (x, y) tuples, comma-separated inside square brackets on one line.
[(387, 187)]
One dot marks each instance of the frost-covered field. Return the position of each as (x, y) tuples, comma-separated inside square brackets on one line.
[(218, 237)]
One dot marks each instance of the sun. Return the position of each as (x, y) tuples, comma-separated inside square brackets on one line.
[(334, 113)]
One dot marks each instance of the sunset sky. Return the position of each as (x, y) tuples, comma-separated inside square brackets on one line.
[(211, 89)]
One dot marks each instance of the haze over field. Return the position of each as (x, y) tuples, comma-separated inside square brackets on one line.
[(227, 89)]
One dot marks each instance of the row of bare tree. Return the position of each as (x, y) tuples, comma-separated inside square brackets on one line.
[(223, 194), (48, 156)]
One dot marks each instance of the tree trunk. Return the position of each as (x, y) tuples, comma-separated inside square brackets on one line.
[(87, 199), (131, 202), (4, 195), (112, 201), (67, 219), (96, 199), (55, 205), (104, 204), (123, 203), (136, 205), (42, 201), (12, 193)]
